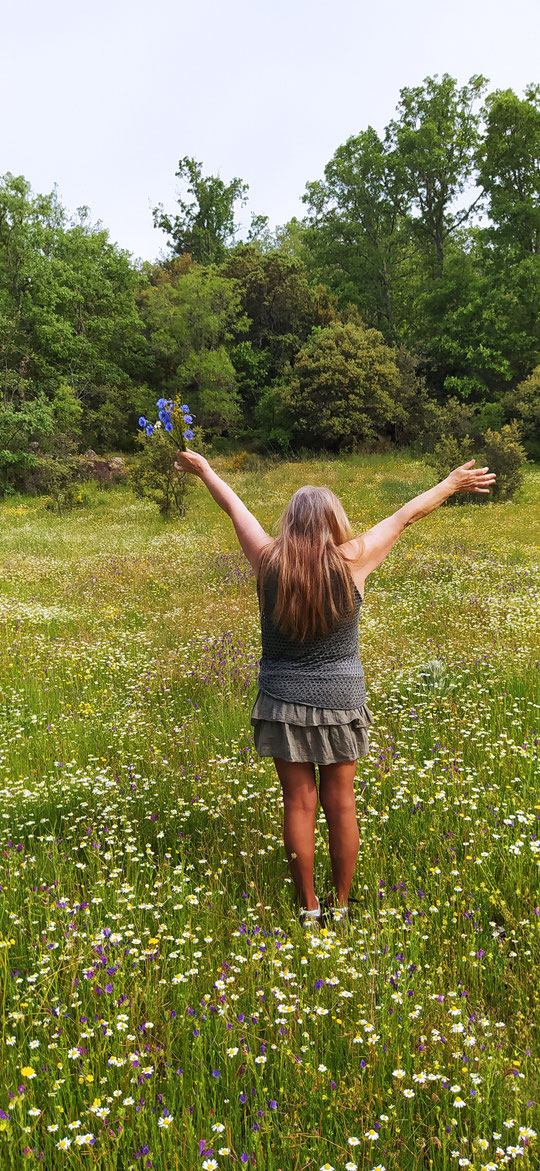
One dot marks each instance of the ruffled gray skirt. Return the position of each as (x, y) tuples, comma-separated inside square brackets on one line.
[(301, 733)]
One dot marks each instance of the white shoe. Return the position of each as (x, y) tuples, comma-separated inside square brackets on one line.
[(308, 918)]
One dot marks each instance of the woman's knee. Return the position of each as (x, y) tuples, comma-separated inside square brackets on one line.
[(337, 799), (301, 800)]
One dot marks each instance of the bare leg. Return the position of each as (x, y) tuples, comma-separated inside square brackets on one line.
[(338, 801), (299, 805)]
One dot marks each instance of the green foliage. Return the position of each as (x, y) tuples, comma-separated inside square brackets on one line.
[(508, 169), (281, 309), (205, 227), (59, 477), (501, 451), (354, 235), (23, 426), (432, 146), (192, 314), (344, 387), (523, 404), (505, 455), (450, 452), (153, 475)]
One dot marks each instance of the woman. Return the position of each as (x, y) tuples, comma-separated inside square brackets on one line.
[(310, 709)]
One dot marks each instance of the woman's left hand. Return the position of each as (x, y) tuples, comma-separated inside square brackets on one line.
[(191, 461)]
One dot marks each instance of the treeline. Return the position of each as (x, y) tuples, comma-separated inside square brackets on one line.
[(402, 307)]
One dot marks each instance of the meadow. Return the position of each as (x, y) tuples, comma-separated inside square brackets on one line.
[(162, 1007)]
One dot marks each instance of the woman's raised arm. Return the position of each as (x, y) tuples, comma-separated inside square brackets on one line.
[(375, 544), (250, 533)]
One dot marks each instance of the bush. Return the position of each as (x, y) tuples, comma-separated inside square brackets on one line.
[(60, 478), (523, 404), (450, 453), (153, 475), (454, 420), (501, 451), (505, 455), (344, 389)]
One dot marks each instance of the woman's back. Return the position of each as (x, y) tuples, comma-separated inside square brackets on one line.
[(324, 670)]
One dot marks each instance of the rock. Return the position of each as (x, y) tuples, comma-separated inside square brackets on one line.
[(105, 471)]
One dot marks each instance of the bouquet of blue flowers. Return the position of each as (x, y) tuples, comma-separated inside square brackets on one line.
[(174, 419)]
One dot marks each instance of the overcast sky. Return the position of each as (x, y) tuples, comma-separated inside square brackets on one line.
[(104, 99)]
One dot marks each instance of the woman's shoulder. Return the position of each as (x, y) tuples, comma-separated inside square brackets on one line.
[(351, 551)]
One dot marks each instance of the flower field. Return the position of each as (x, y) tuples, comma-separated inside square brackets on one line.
[(161, 1005)]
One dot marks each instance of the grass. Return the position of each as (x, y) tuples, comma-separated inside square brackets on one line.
[(161, 1006)]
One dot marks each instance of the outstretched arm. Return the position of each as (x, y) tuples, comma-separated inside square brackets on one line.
[(250, 533), (376, 543)]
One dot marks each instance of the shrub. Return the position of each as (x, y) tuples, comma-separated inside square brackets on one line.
[(523, 404), (344, 389), (450, 453), (505, 455), (501, 451), (154, 476), (60, 478)]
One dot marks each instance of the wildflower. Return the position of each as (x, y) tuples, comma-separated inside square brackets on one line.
[(260, 1060), (232, 1051), (165, 1122), (408, 1094), (372, 1135), (327, 1167), (459, 1103), (353, 1141), (64, 1144), (219, 1127), (210, 1165), (399, 1073), (351, 1166), (53, 1126), (28, 1071)]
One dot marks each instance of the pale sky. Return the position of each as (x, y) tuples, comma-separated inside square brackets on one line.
[(103, 99)]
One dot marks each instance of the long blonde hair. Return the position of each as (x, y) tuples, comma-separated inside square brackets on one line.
[(314, 586)]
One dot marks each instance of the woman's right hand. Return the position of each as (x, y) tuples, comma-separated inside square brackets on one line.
[(191, 461), (469, 479)]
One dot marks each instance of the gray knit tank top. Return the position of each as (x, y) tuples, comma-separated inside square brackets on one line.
[(325, 671)]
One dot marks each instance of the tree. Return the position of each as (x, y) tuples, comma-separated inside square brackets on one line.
[(67, 304), (282, 308), (509, 168), (344, 387), (204, 228), (353, 227), (432, 144), (191, 315)]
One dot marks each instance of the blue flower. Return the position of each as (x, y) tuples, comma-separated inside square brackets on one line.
[(160, 404), (149, 429), (188, 435), (168, 426), (188, 419), (164, 416), (142, 421), (184, 408)]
